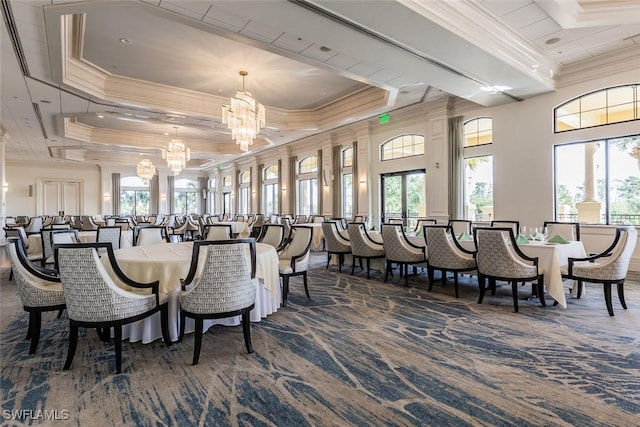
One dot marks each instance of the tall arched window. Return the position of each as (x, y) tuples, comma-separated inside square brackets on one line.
[(244, 192), (134, 196), (212, 196), (308, 186), (270, 190), (186, 196), (478, 131), (612, 105), (478, 170), (227, 188), (346, 172), (402, 146)]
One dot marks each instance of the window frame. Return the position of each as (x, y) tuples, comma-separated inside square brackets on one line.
[(393, 149)]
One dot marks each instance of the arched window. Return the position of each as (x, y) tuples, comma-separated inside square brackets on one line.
[(226, 181), (185, 199), (212, 195), (244, 192), (227, 188), (134, 196), (270, 191), (346, 172), (612, 105), (478, 131), (402, 146), (308, 186)]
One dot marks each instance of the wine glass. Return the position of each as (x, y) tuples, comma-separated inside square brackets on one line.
[(523, 231), (544, 234), (533, 233)]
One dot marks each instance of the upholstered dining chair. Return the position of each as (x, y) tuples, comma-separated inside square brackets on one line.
[(94, 300), (446, 255), (218, 232), (179, 230), (363, 246), (88, 223), (34, 226), (256, 226), (226, 287), (399, 250), (568, 230), (609, 267), (514, 225), (272, 234), (293, 259), (109, 234), (336, 242), (421, 222), (149, 235), (63, 236), (460, 226), (499, 258), (39, 291)]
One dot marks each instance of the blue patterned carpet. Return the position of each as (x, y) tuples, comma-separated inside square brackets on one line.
[(359, 352)]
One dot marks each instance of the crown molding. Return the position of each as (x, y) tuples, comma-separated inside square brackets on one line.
[(590, 13), (602, 66)]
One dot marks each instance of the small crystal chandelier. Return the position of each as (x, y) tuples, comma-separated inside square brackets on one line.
[(245, 117), (177, 154), (146, 170)]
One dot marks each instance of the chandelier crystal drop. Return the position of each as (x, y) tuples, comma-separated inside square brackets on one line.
[(146, 170), (177, 154), (245, 117)]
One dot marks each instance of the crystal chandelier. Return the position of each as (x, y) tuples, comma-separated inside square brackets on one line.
[(177, 154), (245, 117), (146, 170)]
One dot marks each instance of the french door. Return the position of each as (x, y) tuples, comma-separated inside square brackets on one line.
[(404, 196)]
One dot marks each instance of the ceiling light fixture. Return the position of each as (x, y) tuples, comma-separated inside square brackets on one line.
[(177, 154), (245, 117), (146, 170)]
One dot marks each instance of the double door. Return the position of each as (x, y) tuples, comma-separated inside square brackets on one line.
[(404, 197)]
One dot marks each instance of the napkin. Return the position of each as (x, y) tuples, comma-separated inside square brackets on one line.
[(465, 236), (558, 239), (521, 240)]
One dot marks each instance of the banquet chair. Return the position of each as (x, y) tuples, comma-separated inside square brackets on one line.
[(363, 247), (109, 234), (34, 226), (76, 222), (446, 254), (418, 229), (217, 232), (123, 224), (399, 250), (109, 222), (286, 223), (47, 221), (499, 258), (272, 234), (149, 235), (226, 287), (294, 259), (460, 226), (336, 243), (39, 291), (256, 226), (179, 230), (608, 267), (395, 221), (300, 219), (32, 254), (94, 300), (88, 223), (514, 225), (568, 230)]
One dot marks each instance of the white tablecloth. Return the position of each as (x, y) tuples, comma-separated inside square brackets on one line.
[(170, 262), (35, 240)]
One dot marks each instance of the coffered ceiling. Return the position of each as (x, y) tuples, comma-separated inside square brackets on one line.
[(113, 81)]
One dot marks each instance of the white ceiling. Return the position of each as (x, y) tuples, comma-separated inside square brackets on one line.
[(111, 83)]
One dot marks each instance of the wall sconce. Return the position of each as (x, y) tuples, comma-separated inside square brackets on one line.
[(284, 189), (163, 197), (107, 197), (5, 187), (363, 181)]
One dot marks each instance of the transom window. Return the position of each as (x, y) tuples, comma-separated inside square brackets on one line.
[(347, 157), (226, 181), (402, 146), (271, 172), (308, 165), (245, 178), (478, 131), (612, 105)]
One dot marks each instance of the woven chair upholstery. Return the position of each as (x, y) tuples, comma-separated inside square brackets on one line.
[(218, 232), (109, 234), (94, 299), (445, 254), (226, 286), (38, 292), (294, 259), (272, 234), (499, 258), (362, 246), (608, 267), (397, 249), (335, 242)]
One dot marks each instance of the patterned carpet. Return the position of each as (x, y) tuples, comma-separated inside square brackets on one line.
[(359, 352)]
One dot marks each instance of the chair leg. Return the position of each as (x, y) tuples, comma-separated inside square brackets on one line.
[(481, 284), (117, 338), (60, 313), (540, 287), (368, 267), (514, 291), (73, 343), (492, 284), (30, 327), (198, 344), (11, 274), (328, 259), (388, 269), (183, 319), (285, 290), (579, 293), (246, 330), (164, 324), (430, 275), (455, 283), (306, 289), (406, 274), (35, 330), (607, 297), (340, 262), (621, 295), (353, 265)]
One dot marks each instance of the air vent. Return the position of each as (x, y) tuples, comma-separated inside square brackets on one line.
[(15, 38), (36, 109)]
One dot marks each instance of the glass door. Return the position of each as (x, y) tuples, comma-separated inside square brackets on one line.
[(404, 197)]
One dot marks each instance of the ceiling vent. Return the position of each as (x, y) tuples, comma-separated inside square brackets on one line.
[(76, 154)]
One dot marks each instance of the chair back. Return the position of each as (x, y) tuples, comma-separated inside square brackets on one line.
[(218, 232), (110, 222), (460, 226), (298, 248), (334, 241), (109, 234), (498, 254), (613, 263), (396, 247), (422, 222), (47, 221), (64, 236), (259, 221), (47, 246), (514, 225), (34, 226), (76, 222), (60, 226), (149, 235), (226, 282), (568, 230), (300, 219), (443, 251), (286, 223), (123, 224), (361, 243), (90, 293), (272, 234), (318, 219)]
